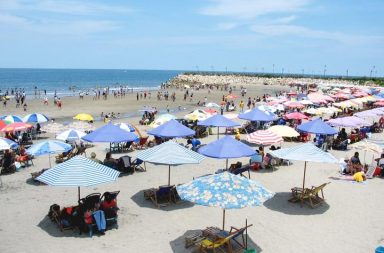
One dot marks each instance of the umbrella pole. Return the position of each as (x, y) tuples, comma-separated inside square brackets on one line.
[(169, 174), (223, 218), (305, 169), (218, 132), (78, 192), (226, 164), (49, 158), (365, 153), (246, 234)]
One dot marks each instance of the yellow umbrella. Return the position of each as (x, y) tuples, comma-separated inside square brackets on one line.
[(84, 117), (284, 131)]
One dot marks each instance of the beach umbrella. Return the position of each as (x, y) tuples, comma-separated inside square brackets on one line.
[(311, 111), (212, 105), (172, 129), (218, 121), (294, 104), (35, 118), (351, 121), (48, 147), (78, 172), (231, 116), (367, 145), (170, 153), (264, 137), (225, 148), (126, 127), (317, 126), (258, 115), (7, 144), (366, 114), (70, 135), (163, 118), (2, 124), (9, 119), (224, 190), (295, 115), (82, 126), (306, 152), (379, 103), (53, 128), (84, 117), (231, 96), (17, 126), (110, 133), (267, 108), (210, 111), (284, 131), (306, 102), (197, 115)]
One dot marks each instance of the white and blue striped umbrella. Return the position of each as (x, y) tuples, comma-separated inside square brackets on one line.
[(35, 118), (126, 127), (170, 153), (70, 135), (8, 119), (48, 147), (7, 144), (78, 171)]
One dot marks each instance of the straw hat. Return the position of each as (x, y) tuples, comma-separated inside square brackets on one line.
[(93, 155)]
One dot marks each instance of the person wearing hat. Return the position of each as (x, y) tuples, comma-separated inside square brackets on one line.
[(93, 158)]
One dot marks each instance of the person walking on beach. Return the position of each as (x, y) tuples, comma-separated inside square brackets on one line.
[(167, 108), (241, 106), (137, 96), (25, 107)]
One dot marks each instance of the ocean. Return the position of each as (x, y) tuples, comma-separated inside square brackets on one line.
[(69, 82)]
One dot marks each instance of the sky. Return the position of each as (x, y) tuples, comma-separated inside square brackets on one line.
[(274, 36)]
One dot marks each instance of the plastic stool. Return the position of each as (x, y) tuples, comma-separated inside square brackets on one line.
[(379, 249)]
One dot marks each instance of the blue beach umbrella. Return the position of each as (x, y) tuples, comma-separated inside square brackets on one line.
[(224, 190), (7, 144), (70, 135), (258, 115), (78, 171), (48, 147), (317, 126), (172, 129), (9, 119), (226, 147), (110, 133), (35, 118), (170, 153), (218, 121)]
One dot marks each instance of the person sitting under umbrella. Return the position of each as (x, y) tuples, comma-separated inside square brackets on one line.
[(93, 158), (354, 164), (8, 163), (195, 143), (109, 161)]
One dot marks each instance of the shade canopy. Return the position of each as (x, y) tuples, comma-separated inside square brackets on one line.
[(172, 129), (70, 135), (8, 119), (295, 115), (212, 105), (84, 117), (351, 121), (284, 131), (35, 118), (78, 171), (17, 126), (48, 147), (305, 152), (258, 115), (226, 147), (218, 121), (110, 133), (7, 144), (264, 137), (170, 153), (224, 190), (163, 118), (317, 126), (126, 127)]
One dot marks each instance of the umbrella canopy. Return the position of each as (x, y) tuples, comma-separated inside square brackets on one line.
[(311, 111), (48, 147), (110, 133), (231, 115), (82, 126), (172, 129), (351, 121), (212, 105), (224, 190), (35, 118), (53, 128), (367, 146), (17, 126), (306, 102), (379, 103), (294, 104), (258, 115), (84, 117), (126, 127), (210, 111), (366, 114), (8, 119), (264, 137), (163, 118), (284, 131), (2, 124), (306, 152), (218, 121), (78, 171), (197, 115), (296, 115), (70, 135), (170, 153), (7, 144), (226, 147), (317, 126)]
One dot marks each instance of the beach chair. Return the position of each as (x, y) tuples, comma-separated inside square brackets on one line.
[(137, 165), (142, 143), (111, 215), (371, 170), (34, 175), (90, 201), (240, 171), (311, 195), (125, 165), (216, 243), (54, 214), (161, 196)]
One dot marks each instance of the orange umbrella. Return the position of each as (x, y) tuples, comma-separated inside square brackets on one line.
[(17, 126), (2, 124)]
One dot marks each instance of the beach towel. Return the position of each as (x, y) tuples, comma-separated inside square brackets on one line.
[(347, 178), (100, 220)]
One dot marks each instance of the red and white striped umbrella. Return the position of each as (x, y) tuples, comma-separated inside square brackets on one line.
[(264, 137)]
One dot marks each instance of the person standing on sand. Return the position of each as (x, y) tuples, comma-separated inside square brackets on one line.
[(137, 96), (241, 106), (25, 107)]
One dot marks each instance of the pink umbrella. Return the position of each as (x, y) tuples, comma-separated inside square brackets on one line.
[(295, 115), (340, 95), (17, 126), (264, 137), (359, 94), (210, 111), (379, 103), (294, 104)]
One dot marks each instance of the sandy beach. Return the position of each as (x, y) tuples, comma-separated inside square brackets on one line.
[(351, 220)]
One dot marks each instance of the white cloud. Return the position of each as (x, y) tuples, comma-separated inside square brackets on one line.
[(226, 26), (245, 9), (285, 20)]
